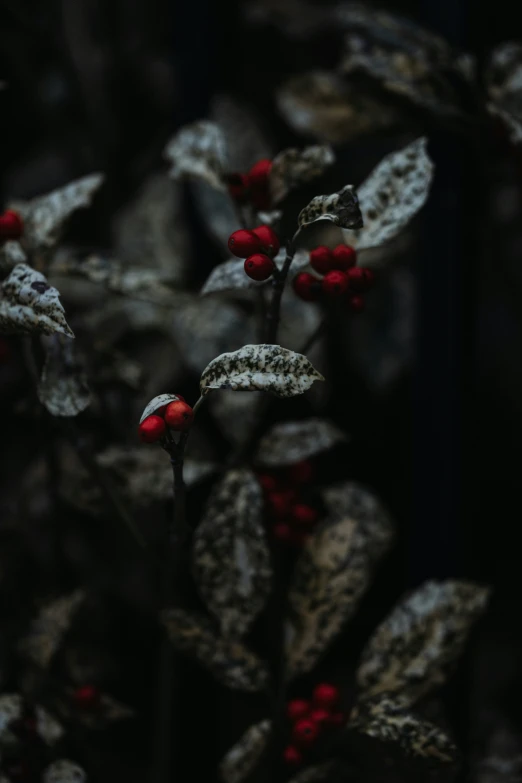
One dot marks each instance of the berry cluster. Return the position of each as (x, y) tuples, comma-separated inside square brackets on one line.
[(341, 278), (258, 247), (177, 415), (310, 719), (253, 187), (11, 225), (292, 516)]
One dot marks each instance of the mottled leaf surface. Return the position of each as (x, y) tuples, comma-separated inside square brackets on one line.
[(294, 167), (341, 208), (261, 367), (199, 150), (504, 85), (11, 254), (333, 572), (231, 561), (29, 304), (413, 650), (229, 661), (230, 275), (63, 387), (293, 441), (64, 771), (49, 627), (242, 757)]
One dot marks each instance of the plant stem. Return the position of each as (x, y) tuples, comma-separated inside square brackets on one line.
[(274, 310)]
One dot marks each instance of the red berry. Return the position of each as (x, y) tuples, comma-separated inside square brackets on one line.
[(258, 174), (11, 225), (320, 716), (305, 732), (179, 415), (304, 515), (307, 287), (301, 472), (268, 239), (325, 695), (359, 279), (268, 483), (87, 697), (292, 756), (282, 531), (281, 502), (336, 719), (335, 283), (259, 267), (356, 304), (238, 186), (343, 257), (297, 708), (151, 429), (321, 259), (243, 243)]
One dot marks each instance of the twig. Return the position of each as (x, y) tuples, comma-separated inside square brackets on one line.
[(274, 310)]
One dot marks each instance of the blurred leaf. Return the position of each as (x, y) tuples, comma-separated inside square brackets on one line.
[(414, 649), (29, 304), (294, 167), (243, 130), (216, 211), (48, 727), (10, 710), (230, 275), (11, 254), (107, 711), (199, 150), (341, 208), (292, 441), (63, 387), (242, 757), (48, 628), (333, 572), (64, 771), (156, 404), (387, 720), (229, 661), (232, 532), (233, 413), (299, 319), (503, 79), (321, 773), (260, 368)]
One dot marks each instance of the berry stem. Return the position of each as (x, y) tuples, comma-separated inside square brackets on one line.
[(278, 283)]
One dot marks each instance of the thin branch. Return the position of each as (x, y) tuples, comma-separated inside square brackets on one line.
[(274, 310)]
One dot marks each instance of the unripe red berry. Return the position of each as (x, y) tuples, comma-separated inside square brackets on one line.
[(238, 187), (243, 243), (87, 697), (305, 732), (268, 238), (320, 716), (335, 283), (321, 259), (356, 304), (343, 257), (268, 483), (292, 756), (282, 531), (258, 174), (337, 719), (259, 267), (325, 695), (281, 502), (307, 287), (151, 429), (301, 472), (11, 225), (360, 279), (297, 708), (304, 515), (179, 415)]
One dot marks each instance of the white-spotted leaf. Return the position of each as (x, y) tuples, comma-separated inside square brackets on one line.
[(293, 441), (242, 757), (341, 208), (232, 533), (64, 771), (504, 85), (29, 304), (48, 628), (199, 151), (11, 254), (261, 367), (48, 727), (63, 387), (294, 167)]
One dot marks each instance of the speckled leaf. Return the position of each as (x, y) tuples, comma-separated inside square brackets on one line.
[(10, 710), (414, 649), (156, 403), (260, 368), (270, 218), (199, 150), (231, 561), (216, 211), (504, 85), (341, 208), (11, 254), (323, 105), (387, 720), (393, 194), (230, 275), (64, 771), (322, 773), (242, 757), (333, 572), (229, 661), (63, 387), (45, 216), (48, 629), (48, 727), (29, 304), (294, 167), (293, 441)]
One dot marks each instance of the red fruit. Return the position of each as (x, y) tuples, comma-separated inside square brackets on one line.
[(292, 756), (307, 287), (343, 257), (87, 697), (258, 174), (325, 695), (336, 719), (179, 415), (301, 472), (321, 259), (304, 515), (268, 239), (320, 716), (282, 531), (305, 732), (243, 243), (297, 708), (280, 503), (268, 482), (259, 266), (356, 304), (151, 429), (11, 225), (238, 186), (335, 283), (360, 280)]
